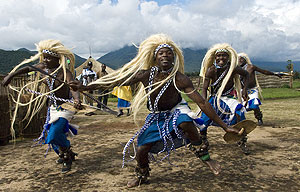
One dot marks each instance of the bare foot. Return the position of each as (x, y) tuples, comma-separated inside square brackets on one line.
[(137, 182), (213, 165), (133, 183)]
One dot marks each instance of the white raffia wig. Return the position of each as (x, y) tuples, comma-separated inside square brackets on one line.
[(35, 104), (248, 61), (144, 60), (209, 60)]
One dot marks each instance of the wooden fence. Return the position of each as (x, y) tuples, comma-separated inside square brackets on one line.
[(35, 126), (265, 81)]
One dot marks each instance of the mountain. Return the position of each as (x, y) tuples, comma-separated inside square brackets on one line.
[(9, 59), (192, 59), (118, 58), (276, 66)]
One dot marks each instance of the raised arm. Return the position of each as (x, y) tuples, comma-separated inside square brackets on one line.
[(23, 70), (265, 72), (140, 76)]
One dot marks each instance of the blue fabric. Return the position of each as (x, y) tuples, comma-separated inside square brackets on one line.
[(123, 103), (224, 116), (57, 133), (151, 134), (252, 106)]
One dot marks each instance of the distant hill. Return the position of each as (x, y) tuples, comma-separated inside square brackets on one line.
[(116, 59), (9, 59), (276, 66), (193, 59)]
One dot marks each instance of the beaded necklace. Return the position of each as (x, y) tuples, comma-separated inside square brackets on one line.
[(156, 115), (161, 92), (50, 85)]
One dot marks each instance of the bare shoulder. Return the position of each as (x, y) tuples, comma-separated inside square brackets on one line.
[(143, 73), (68, 74), (140, 76), (251, 66), (182, 81), (211, 71), (40, 66)]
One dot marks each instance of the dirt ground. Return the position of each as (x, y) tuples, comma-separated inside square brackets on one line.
[(273, 164)]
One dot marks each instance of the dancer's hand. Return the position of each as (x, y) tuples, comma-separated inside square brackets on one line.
[(6, 80), (279, 75), (245, 94), (76, 86), (232, 130), (77, 104)]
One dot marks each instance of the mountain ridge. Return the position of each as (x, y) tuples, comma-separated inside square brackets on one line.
[(116, 59), (9, 59), (192, 59)]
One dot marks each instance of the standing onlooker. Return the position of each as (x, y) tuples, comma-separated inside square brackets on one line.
[(124, 95), (102, 92), (88, 76)]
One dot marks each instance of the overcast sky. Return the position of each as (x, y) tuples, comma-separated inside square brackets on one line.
[(264, 29)]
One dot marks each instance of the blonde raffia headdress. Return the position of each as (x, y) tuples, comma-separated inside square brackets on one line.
[(144, 60), (209, 60), (248, 61), (51, 47)]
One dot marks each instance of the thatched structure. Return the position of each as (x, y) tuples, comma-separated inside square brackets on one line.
[(96, 66)]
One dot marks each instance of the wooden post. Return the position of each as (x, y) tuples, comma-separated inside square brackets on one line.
[(291, 68)]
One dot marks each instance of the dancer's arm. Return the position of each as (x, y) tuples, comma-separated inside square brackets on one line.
[(140, 76), (245, 75), (185, 84), (75, 94), (23, 70), (266, 72)]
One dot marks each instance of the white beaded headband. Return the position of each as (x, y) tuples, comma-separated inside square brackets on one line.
[(50, 53), (244, 57), (222, 50), (162, 46)]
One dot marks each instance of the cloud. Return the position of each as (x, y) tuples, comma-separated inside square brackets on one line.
[(265, 30)]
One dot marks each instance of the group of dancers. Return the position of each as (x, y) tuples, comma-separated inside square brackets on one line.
[(228, 80)]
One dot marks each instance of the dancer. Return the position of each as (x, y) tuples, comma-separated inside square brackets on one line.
[(254, 90), (158, 67), (52, 56), (220, 72)]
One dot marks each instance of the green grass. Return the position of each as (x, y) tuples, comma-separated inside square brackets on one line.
[(282, 93), (113, 99), (268, 93), (296, 83), (275, 93)]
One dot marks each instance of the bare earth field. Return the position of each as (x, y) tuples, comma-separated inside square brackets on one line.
[(273, 165)]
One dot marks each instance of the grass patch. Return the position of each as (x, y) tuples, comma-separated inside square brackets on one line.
[(268, 93), (113, 99), (274, 93), (280, 93), (296, 83)]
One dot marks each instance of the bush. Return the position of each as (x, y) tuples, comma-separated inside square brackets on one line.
[(296, 75)]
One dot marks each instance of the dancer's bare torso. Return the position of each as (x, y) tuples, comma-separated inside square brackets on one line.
[(171, 96)]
